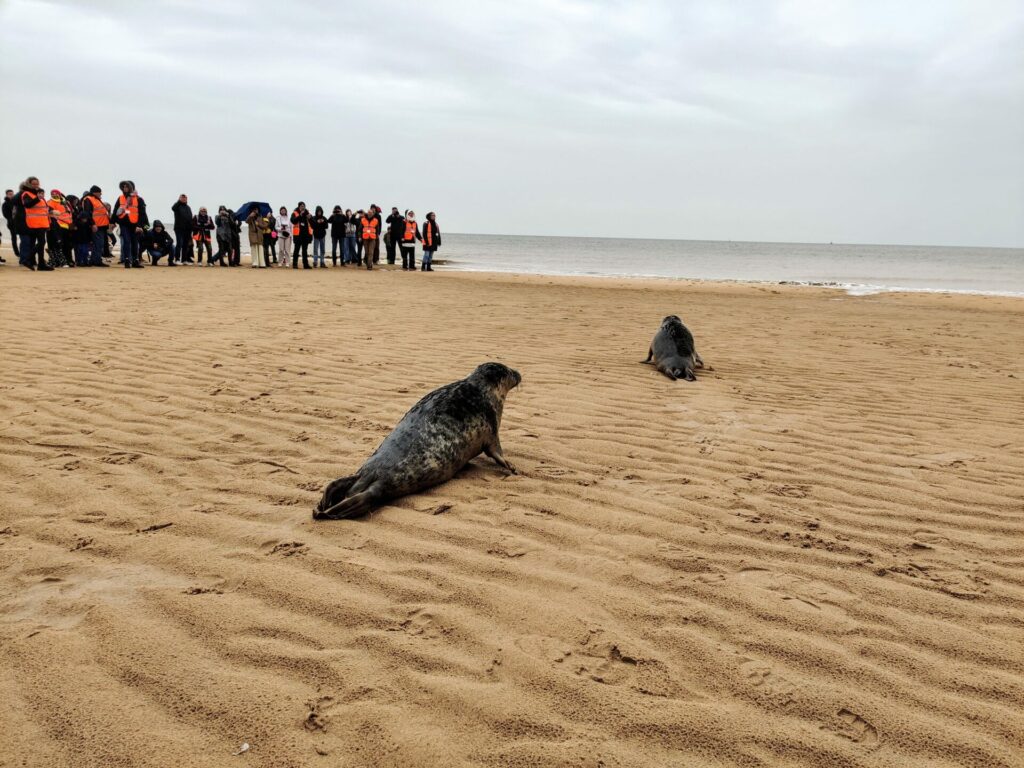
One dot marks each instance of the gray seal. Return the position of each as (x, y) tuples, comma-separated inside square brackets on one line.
[(440, 435), (673, 352)]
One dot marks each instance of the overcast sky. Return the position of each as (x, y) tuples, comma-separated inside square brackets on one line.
[(802, 120)]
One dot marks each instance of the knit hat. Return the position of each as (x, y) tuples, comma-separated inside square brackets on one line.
[(56, 193)]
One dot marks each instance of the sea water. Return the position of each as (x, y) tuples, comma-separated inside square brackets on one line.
[(857, 268)]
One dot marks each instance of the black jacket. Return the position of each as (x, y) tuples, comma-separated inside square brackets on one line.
[(434, 241), (182, 216), (9, 210), (338, 222), (319, 224), (202, 224), (158, 241), (396, 226)]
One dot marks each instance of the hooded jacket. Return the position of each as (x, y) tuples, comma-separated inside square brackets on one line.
[(123, 219), (160, 240)]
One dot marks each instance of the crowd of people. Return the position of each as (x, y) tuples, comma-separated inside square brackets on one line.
[(68, 231)]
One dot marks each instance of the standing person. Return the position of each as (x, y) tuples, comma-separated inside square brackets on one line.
[(349, 252), (410, 235), (371, 245), (182, 230), (319, 225), (431, 241), (256, 255), (268, 227), (202, 226), (81, 232), (157, 243), (33, 215), (224, 227), (132, 220), (8, 210), (58, 236), (395, 233), (284, 236), (359, 235), (376, 210), (235, 256), (337, 222), (302, 232), (99, 215)]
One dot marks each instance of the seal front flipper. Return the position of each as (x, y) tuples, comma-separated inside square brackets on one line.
[(493, 450), (650, 354)]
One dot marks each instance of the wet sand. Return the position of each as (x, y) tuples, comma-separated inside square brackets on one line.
[(811, 556)]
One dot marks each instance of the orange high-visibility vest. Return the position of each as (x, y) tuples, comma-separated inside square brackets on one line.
[(131, 205), (37, 216), (297, 229), (410, 232), (63, 212), (428, 234), (100, 217), (369, 228)]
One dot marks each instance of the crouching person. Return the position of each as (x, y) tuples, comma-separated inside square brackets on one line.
[(157, 243)]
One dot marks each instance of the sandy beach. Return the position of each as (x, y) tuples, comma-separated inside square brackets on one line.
[(812, 556)]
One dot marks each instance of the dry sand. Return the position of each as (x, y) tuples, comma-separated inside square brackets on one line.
[(811, 556)]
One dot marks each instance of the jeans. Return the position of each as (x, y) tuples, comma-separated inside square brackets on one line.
[(349, 250), (99, 246), (391, 249), (182, 245), (409, 257), (318, 250), (129, 244), (270, 246), (428, 258), (31, 248), (82, 254), (155, 256), (337, 244)]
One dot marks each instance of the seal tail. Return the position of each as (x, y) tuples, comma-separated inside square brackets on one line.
[(353, 506)]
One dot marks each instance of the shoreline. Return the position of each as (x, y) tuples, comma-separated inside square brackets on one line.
[(451, 266)]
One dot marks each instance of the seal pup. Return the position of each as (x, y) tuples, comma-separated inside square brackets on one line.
[(440, 435), (673, 352)]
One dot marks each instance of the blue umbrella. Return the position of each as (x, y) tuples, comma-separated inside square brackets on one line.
[(242, 213)]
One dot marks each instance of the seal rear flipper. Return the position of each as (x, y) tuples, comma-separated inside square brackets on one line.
[(336, 491), (667, 372), (650, 355), (353, 506)]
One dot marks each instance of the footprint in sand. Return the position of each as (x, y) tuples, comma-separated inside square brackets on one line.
[(120, 457), (604, 660), (285, 548), (855, 728), (422, 623), (769, 686)]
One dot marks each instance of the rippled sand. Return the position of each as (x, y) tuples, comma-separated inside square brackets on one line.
[(811, 556)]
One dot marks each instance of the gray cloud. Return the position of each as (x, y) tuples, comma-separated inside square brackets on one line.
[(790, 120)]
